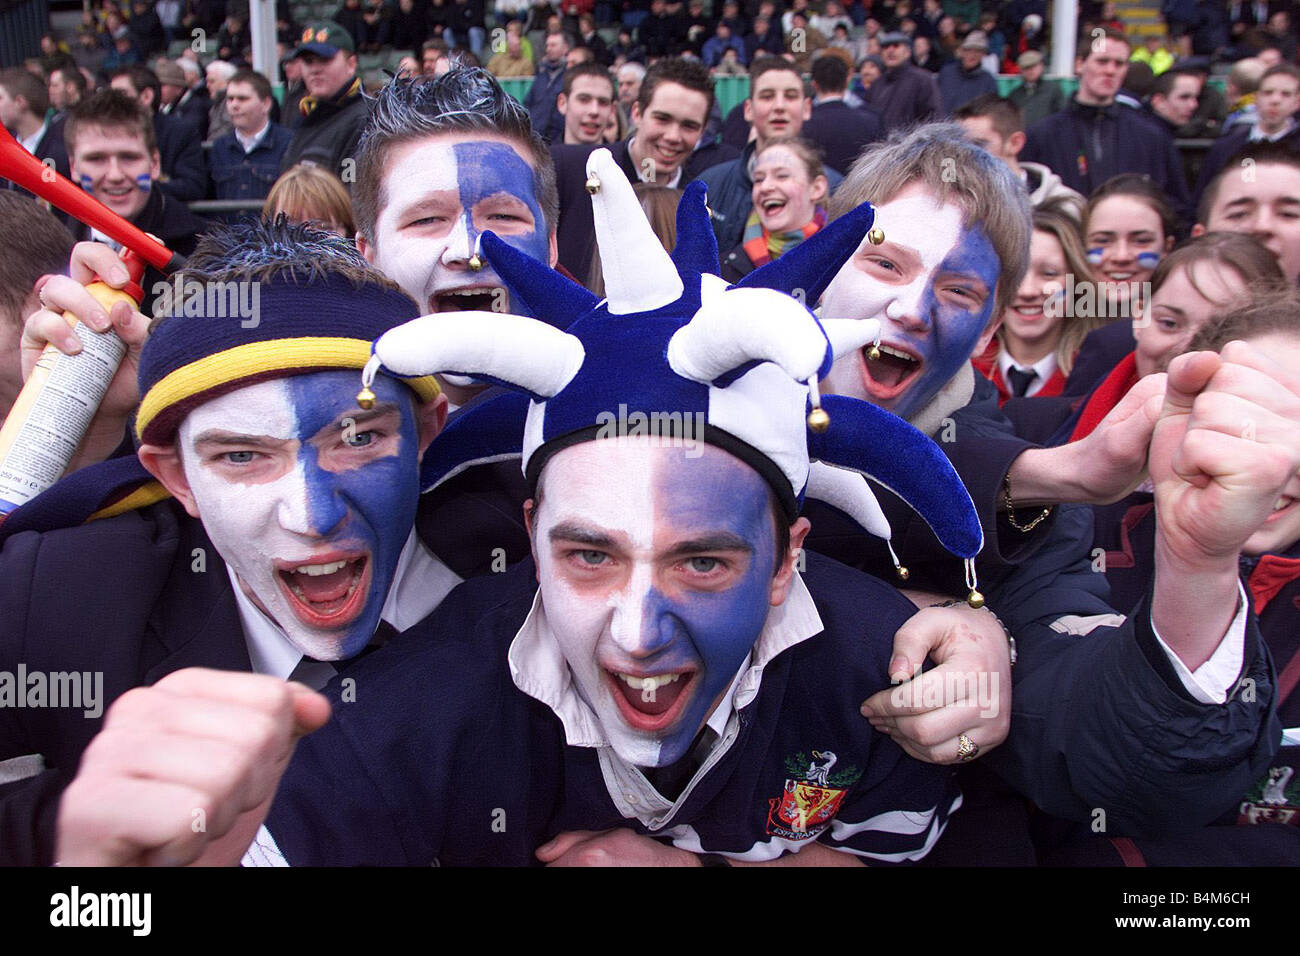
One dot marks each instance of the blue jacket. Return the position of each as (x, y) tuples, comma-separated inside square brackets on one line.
[(540, 102), (958, 86), (240, 175), (426, 771)]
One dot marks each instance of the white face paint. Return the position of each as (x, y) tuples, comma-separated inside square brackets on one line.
[(439, 193), (931, 284), (655, 583), (309, 514)]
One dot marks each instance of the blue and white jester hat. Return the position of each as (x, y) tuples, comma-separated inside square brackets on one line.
[(673, 344)]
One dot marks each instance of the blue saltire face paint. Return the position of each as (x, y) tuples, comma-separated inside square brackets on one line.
[(932, 284), (439, 194), (655, 582), (309, 499)]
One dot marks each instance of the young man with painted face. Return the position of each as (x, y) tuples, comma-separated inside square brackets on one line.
[(937, 282), (279, 517)]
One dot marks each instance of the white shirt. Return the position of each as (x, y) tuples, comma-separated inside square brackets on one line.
[(420, 582), (31, 142), (250, 142), (1258, 136), (1045, 367)]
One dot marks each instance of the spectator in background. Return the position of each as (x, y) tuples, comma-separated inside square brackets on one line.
[(813, 41), (630, 76), (246, 161), (997, 126), (734, 18), (24, 100), (661, 33), (870, 69), (832, 16), (577, 57), (721, 41), (586, 103), (1093, 140), (432, 51), (233, 39), (904, 94), (334, 109), (593, 41), (295, 91), (313, 195), (1279, 34), (1276, 102), (184, 174), (778, 107), (765, 39), (194, 102), (660, 206), (787, 205), (1173, 100), (1037, 341), (626, 50), (1265, 205), (988, 25), (409, 25), (1154, 53), (146, 29), (218, 74), (46, 246), (839, 130), (547, 86), (1035, 97), (512, 61), (66, 86), (123, 51), (962, 81), (965, 12), (926, 56), (1240, 86), (467, 21), (699, 28)]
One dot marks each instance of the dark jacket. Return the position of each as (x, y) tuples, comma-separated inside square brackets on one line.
[(842, 132), (1038, 101), (52, 151), (180, 152), (548, 84), (576, 230), (905, 95), (329, 133), (770, 42), (1087, 145), (240, 175), (731, 196), (958, 85)]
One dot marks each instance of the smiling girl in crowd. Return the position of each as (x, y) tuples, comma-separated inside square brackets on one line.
[(789, 188), (1128, 227), (1042, 329)]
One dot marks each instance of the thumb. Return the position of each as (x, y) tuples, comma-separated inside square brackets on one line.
[(1188, 375), (311, 710), (563, 843), (912, 645)]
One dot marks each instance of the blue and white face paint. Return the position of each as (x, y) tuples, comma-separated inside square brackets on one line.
[(309, 499), (439, 194), (931, 284), (655, 582)]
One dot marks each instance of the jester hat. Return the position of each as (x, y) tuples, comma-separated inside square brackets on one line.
[(673, 344)]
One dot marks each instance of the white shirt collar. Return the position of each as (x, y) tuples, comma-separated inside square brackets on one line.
[(250, 142), (538, 668), (1257, 136), (31, 142), (420, 582), (1045, 367)]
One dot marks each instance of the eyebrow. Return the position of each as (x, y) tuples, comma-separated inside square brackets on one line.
[(575, 533), (223, 439), (361, 416), (713, 541)]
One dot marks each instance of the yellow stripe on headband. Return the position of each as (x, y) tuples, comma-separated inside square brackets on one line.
[(257, 359)]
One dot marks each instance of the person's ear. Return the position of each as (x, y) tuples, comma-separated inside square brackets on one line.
[(1198, 230), (562, 104), (155, 167), (785, 573), (366, 248), (807, 109), (553, 255), (530, 512), (1015, 143), (1169, 244), (749, 111), (986, 336), (164, 463), (430, 417), (636, 114), (819, 189)]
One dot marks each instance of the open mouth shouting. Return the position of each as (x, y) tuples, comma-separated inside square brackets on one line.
[(328, 593), (478, 298), (888, 376), (650, 702)]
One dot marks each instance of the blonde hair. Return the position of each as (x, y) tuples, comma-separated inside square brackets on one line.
[(308, 193)]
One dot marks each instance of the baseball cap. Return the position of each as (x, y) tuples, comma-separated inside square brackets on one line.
[(324, 38), (895, 36)]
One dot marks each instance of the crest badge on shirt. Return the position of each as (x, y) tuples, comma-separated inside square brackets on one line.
[(1275, 799), (809, 802)]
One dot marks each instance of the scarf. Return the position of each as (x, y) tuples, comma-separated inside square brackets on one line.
[(308, 103), (1106, 396), (762, 246)]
